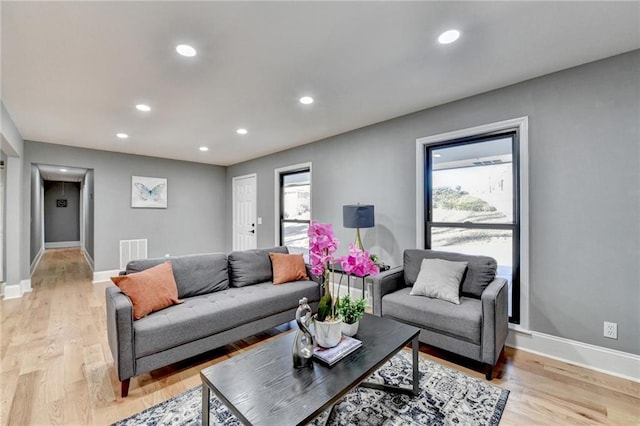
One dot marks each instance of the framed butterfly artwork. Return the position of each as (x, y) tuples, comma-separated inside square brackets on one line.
[(148, 192)]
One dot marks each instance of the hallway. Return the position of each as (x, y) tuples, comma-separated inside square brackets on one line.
[(53, 346)]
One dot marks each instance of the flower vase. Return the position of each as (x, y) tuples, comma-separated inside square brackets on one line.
[(350, 329), (328, 333)]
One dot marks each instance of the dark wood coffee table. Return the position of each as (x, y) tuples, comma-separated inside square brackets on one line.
[(261, 386)]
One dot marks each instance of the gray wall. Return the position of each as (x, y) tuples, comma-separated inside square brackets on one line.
[(194, 221), (36, 214), (61, 224), (87, 200), (584, 190), (17, 251), (3, 182)]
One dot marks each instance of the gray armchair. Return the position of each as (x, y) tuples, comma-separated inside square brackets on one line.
[(476, 328)]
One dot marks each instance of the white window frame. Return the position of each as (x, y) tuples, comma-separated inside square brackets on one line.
[(522, 124), (276, 186)]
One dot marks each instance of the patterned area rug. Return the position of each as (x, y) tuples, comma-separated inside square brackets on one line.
[(446, 397)]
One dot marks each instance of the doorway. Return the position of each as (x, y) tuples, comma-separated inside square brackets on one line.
[(61, 210), (244, 212), (3, 203)]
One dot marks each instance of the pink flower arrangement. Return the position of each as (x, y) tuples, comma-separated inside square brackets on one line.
[(358, 262), (322, 245)]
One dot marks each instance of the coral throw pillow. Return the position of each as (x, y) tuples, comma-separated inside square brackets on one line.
[(150, 290), (288, 267)]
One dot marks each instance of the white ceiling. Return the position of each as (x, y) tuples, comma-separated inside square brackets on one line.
[(72, 72)]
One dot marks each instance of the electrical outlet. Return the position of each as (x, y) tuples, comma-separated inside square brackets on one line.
[(610, 330)]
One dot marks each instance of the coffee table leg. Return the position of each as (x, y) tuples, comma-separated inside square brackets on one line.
[(415, 346), (205, 404), (414, 390)]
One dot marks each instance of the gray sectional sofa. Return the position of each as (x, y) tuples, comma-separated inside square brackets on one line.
[(226, 298), (476, 328)]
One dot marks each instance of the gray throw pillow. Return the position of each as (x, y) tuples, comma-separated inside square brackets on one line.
[(439, 279)]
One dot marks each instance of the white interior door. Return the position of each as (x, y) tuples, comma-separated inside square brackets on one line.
[(244, 212)]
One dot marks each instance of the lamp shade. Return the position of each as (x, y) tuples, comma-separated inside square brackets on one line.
[(358, 216)]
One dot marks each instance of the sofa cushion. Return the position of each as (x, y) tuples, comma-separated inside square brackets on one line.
[(249, 267), (202, 316), (481, 270), (150, 290), (462, 321), (288, 267), (195, 274), (440, 279)]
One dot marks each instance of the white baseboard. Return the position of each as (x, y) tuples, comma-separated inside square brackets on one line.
[(104, 276), (15, 291), (62, 244), (605, 360), (88, 258), (36, 261)]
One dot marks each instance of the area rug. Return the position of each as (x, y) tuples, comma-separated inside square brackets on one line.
[(446, 397)]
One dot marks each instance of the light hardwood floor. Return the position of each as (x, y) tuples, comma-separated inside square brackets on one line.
[(56, 367)]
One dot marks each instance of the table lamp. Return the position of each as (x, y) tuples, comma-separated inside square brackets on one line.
[(358, 216)]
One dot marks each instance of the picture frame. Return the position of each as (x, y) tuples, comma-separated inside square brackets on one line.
[(148, 192)]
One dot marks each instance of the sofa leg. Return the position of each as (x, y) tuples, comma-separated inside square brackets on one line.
[(124, 387), (489, 373)]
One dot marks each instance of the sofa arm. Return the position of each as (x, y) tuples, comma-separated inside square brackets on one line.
[(120, 331), (495, 320), (385, 283)]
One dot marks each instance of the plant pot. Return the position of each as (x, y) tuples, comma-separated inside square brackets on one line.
[(350, 329), (328, 333)]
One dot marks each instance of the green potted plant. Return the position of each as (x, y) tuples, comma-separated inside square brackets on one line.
[(351, 310)]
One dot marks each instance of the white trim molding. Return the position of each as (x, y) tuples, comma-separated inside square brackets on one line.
[(104, 276), (522, 124), (15, 291), (62, 244), (36, 261), (276, 198), (604, 360), (88, 258)]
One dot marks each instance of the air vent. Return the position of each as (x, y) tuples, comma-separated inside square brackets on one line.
[(132, 250)]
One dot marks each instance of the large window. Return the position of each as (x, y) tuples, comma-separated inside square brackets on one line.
[(295, 210), (472, 202)]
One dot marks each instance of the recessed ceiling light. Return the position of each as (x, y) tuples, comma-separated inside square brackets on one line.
[(186, 50), (204, 148), (122, 135), (63, 170), (437, 155), (143, 107), (242, 131), (306, 100), (449, 36)]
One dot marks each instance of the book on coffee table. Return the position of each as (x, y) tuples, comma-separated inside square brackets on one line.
[(330, 356)]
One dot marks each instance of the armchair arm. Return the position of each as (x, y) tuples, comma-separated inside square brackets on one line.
[(385, 283), (495, 320), (120, 331)]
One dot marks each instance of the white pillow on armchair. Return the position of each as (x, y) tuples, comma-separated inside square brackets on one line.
[(439, 279)]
